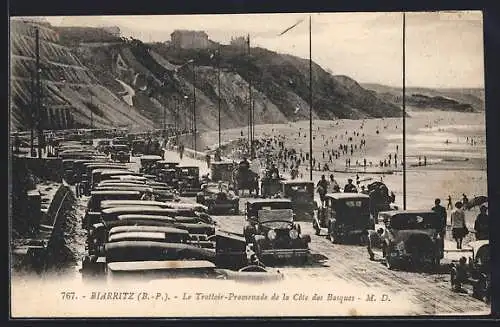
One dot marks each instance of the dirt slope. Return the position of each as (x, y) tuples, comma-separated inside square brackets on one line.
[(70, 91)]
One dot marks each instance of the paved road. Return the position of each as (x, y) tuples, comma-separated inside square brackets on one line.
[(429, 293)]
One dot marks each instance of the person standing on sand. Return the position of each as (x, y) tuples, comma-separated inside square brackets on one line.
[(481, 224), (458, 227), (449, 205), (322, 188), (441, 212)]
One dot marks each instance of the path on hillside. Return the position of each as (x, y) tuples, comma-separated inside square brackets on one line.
[(130, 92)]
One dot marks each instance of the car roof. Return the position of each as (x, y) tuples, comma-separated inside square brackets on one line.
[(253, 201), (397, 212), (168, 162), (137, 235), (340, 196), (105, 192), (151, 157), (159, 265), (147, 228), (138, 208), (140, 216), (295, 181)]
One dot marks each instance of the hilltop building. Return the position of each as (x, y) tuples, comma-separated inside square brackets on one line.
[(239, 42), (185, 39)]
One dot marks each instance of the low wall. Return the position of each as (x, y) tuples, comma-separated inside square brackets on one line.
[(45, 168)]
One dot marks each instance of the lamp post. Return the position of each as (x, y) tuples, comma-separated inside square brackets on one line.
[(193, 123), (310, 91), (404, 112)]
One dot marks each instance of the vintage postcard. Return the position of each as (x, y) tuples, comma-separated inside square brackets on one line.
[(249, 165)]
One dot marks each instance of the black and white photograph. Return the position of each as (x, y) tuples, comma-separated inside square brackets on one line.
[(248, 165)]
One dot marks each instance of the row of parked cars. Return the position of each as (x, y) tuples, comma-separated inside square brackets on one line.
[(130, 233)]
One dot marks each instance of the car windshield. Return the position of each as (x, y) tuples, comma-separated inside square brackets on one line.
[(266, 215), (413, 221)]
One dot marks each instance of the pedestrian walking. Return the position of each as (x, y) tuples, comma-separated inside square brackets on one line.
[(450, 204), (458, 228), (441, 213)]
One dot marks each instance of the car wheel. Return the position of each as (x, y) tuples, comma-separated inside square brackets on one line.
[(480, 289), (317, 230), (332, 237), (390, 262)]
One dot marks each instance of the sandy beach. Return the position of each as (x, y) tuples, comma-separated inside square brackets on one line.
[(442, 139)]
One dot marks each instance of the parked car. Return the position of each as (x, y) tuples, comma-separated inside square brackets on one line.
[(189, 180), (218, 198), (272, 232), (156, 260), (477, 272), (222, 171), (147, 163), (346, 216), (411, 237), (301, 193), (120, 153)]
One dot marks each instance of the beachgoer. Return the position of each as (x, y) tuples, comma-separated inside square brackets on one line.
[(322, 188), (375, 239), (481, 224), (458, 227), (450, 204), (350, 187), (441, 212)]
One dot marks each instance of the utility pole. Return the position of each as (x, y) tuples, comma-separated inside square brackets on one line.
[(32, 114), (253, 125), (404, 111), (194, 105), (249, 103), (218, 88), (91, 112), (38, 92), (310, 105), (164, 119)]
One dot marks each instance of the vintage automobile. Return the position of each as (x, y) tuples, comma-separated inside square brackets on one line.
[(153, 261), (189, 180), (221, 171), (346, 216), (103, 146), (270, 187), (301, 193), (120, 153), (182, 208), (169, 176), (218, 198), (138, 147), (477, 272), (79, 168), (100, 174), (411, 237), (200, 233), (148, 163), (120, 141), (245, 179), (93, 212), (272, 232)]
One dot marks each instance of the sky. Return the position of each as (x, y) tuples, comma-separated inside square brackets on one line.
[(443, 49)]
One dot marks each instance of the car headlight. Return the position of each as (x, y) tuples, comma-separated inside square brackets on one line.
[(271, 234), (293, 234)]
